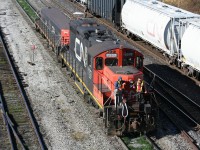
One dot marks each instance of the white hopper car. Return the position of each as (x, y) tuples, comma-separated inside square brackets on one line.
[(162, 26), (154, 22), (190, 49)]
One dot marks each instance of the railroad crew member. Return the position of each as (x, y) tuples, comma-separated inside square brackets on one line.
[(132, 89), (140, 89), (119, 84), (131, 84)]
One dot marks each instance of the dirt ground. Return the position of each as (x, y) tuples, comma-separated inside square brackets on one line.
[(190, 5)]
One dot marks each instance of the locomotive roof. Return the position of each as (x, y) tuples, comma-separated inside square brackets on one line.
[(100, 47), (56, 16), (97, 35), (169, 10), (83, 22)]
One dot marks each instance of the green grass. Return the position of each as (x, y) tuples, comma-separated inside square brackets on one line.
[(139, 143), (30, 12)]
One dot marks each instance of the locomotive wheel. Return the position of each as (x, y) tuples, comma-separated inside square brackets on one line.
[(88, 98), (95, 105), (67, 68)]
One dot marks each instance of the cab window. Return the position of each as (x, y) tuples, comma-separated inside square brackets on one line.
[(111, 62), (139, 62), (99, 63), (128, 61)]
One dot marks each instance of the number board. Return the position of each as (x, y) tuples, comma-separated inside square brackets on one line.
[(111, 55)]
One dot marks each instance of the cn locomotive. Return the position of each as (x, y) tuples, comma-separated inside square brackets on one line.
[(173, 31), (96, 59)]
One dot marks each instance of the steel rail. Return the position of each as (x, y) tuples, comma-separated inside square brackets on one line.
[(155, 147), (172, 87), (2, 107), (22, 91)]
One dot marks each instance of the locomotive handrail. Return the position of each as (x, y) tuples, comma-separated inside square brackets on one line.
[(105, 81)]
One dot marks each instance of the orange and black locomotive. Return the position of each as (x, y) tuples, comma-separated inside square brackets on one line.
[(108, 72)]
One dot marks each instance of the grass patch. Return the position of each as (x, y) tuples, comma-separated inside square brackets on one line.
[(28, 9), (139, 143)]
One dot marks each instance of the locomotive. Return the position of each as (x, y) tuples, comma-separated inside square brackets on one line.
[(164, 26), (96, 59)]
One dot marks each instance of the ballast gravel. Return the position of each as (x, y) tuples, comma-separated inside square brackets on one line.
[(64, 120)]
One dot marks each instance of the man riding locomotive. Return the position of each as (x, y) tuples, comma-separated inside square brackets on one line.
[(138, 88)]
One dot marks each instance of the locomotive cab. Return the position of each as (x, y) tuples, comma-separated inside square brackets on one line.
[(109, 65)]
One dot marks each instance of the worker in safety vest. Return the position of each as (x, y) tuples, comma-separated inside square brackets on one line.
[(119, 85), (140, 89)]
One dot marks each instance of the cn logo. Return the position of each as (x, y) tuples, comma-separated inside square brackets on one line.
[(80, 52)]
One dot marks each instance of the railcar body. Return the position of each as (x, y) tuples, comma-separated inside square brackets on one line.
[(54, 25), (155, 22), (190, 51), (96, 60), (108, 9)]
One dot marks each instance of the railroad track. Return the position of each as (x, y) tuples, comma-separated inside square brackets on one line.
[(181, 110), (183, 124), (189, 107), (18, 127)]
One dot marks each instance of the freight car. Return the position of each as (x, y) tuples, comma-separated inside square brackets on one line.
[(96, 60), (108, 9), (160, 24), (190, 52)]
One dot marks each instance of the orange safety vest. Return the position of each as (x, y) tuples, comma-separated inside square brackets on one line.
[(119, 83), (139, 87)]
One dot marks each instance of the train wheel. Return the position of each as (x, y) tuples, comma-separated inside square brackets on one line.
[(87, 98), (168, 60), (67, 68), (197, 75), (185, 70), (95, 105)]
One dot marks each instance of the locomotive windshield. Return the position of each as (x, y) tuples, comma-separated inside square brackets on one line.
[(128, 58), (128, 61), (111, 62)]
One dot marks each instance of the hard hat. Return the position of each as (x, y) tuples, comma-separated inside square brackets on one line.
[(120, 78), (139, 79)]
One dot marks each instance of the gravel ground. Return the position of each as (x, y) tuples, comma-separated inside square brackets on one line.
[(168, 136), (63, 119)]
